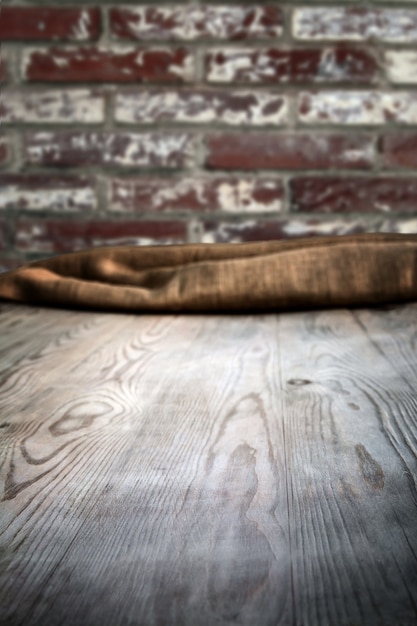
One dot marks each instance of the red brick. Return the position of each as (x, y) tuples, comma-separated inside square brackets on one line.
[(63, 236), (4, 150), (334, 65), (399, 150), (354, 195), (229, 194), (288, 151), (202, 106), (3, 234), (282, 228), (47, 23), (51, 106), (190, 23), (76, 149), (355, 24), (3, 70), (117, 64), (36, 192)]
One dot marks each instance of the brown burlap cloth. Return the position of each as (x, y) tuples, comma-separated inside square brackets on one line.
[(319, 272)]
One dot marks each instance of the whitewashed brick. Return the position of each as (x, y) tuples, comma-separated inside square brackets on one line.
[(283, 228), (222, 231), (54, 106), (202, 107), (227, 193), (190, 23), (401, 66), (38, 192), (355, 24), (401, 226), (334, 64), (358, 107), (79, 149)]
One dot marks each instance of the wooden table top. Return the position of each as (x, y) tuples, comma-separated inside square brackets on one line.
[(208, 470)]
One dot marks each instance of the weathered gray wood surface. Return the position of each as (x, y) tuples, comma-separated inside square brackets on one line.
[(201, 470)]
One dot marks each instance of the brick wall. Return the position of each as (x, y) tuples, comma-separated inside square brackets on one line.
[(198, 121)]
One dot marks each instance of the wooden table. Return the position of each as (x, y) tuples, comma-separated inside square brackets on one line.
[(208, 470)]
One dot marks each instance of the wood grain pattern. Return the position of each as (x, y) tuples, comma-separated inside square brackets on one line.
[(199, 470)]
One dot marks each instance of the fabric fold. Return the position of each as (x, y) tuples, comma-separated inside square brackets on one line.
[(320, 272)]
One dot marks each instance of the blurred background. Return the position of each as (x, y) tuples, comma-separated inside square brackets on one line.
[(169, 122)]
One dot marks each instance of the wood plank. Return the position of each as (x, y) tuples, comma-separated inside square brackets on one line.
[(209, 469), (151, 488), (350, 433)]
